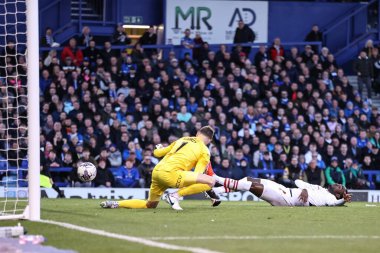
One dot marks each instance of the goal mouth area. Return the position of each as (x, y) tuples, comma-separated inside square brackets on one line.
[(19, 110)]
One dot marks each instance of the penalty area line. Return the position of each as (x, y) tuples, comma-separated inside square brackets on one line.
[(269, 237), (133, 239)]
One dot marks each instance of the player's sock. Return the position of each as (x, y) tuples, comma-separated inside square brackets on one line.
[(236, 185), (192, 189), (221, 189), (133, 203), (218, 179)]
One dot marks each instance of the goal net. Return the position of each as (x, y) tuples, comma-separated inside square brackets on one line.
[(19, 176)]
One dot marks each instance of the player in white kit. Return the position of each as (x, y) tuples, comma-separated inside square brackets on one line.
[(279, 195)]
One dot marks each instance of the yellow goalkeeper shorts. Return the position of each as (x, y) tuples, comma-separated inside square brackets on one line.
[(162, 180)]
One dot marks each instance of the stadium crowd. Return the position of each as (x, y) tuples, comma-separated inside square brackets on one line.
[(293, 110)]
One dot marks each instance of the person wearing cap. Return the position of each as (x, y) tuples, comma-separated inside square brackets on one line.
[(334, 174), (146, 169)]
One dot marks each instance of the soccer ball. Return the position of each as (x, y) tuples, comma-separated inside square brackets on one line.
[(86, 172)]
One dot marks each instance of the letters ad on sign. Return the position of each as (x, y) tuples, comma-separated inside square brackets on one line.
[(216, 21)]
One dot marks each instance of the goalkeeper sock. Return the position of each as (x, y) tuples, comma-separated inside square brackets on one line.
[(133, 203), (192, 189)]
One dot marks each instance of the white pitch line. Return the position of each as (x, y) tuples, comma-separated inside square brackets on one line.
[(134, 239), (269, 237)]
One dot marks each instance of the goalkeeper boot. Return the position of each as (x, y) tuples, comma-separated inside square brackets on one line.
[(215, 200), (173, 202), (109, 204)]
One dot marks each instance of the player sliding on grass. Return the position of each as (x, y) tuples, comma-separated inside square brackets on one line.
[(174, 171), (279, 195)]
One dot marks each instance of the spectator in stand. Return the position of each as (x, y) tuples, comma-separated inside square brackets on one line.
[(291, 173), (244, 34), (104, 176), (197, 50), (92, 53), (364, 70), (86, 157), (47, 40), (149, 38), (315, 35), (314, 175), (127, 175), (285, 104), (73, 52), (107, 52), (369, 48), (376, 70), (355, 177), (312, 151), (145, 171), (187, 44), (120, 37), (225, 168), (260, 56), (184, 115), (334, 174), (266, 164), (114, 157), (86, 37), (276, 51)]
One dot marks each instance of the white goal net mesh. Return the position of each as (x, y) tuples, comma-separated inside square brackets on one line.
[(13, 107)]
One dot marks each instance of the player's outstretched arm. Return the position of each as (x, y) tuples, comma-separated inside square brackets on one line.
[(303, 185), (161, 151)]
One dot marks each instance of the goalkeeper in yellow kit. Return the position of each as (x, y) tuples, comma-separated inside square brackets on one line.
[(174, 171)]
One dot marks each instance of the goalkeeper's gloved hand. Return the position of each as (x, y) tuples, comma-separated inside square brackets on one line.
[(159, 146)]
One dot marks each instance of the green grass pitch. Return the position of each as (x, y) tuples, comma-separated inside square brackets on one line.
[(199, 219)]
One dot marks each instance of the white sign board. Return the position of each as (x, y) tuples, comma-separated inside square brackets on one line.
[(216, 21), (142, 193)]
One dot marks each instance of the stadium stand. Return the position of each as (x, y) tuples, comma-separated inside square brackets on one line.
[(283, 112)]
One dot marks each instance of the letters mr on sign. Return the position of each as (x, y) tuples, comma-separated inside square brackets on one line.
[(216, 21)]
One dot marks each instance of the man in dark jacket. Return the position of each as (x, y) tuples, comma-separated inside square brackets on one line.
[(314, 36), (363, 68), (149, 38), (244, 34)]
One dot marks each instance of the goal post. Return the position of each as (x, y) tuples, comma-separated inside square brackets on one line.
[(19, 110), (32, 42)]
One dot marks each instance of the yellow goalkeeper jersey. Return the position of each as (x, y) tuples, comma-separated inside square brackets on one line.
[(184, 154)]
